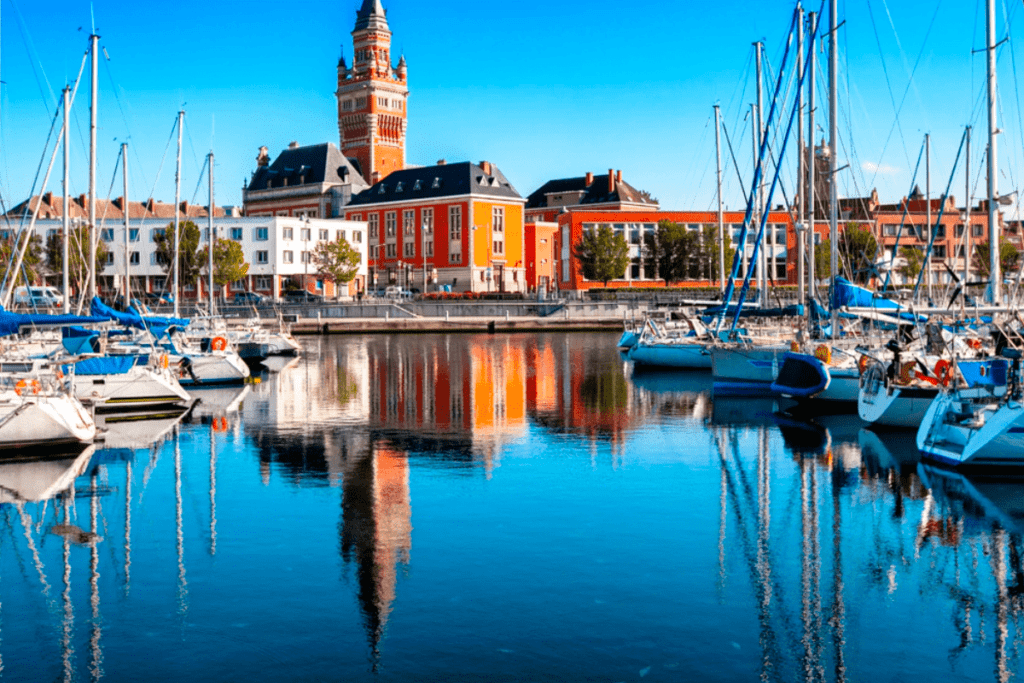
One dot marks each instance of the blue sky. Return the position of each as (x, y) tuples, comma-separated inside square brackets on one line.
[(544, 90)]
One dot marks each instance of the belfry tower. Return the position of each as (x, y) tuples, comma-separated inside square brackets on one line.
[(372, 98)]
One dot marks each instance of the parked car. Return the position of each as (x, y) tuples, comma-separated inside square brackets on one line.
[(40, 297), (248, 298), (158, 299), (395, 292), (300, 296)]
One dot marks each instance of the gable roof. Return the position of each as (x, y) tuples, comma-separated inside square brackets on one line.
[(51, 206), (445, 180), (594, 193), (310, 165)]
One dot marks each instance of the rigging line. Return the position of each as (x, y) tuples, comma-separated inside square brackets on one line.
[(191, 144), (199, 185), (855, 165), (732, 154), (117, 98), (906, 92), (1016, 85), (160, 169), (33, 59), (903, 58), (938, 220), (687, 179), (888, 83)]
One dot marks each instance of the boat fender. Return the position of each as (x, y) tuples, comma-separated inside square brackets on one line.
[(219, 343), (862, 364), (824, 354), (906, 372), (164, 361), (794, 347)]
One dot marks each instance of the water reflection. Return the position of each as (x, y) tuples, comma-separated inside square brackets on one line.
[(788, 549)]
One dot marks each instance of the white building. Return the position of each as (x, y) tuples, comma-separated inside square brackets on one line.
[(277, 250)]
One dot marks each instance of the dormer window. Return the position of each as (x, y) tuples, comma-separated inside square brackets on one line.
[(398, 186), (417, 186), (436, 184), (382, 189)]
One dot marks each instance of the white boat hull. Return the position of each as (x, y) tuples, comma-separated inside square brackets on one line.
[(38, 420), (890, 405), (140, 387), (992, 437), (218, 367), (758, 364)]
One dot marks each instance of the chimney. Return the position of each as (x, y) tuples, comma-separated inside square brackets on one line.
[(441, 162), (263, 158), (375, 178), (183, 207), (293, 145), (81, 200), (590, 179), (618, 176), (149, 204), (48, 198), (486, 166), (119, 203), (611, 181)]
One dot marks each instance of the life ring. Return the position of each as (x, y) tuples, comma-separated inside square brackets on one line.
[(20, 386), (974, 343), (218, 343), (862, 364), (906, 372), (824, 354), (36, 386), (944, 371), (59, 373)]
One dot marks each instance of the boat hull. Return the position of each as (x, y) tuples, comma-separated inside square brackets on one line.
[(884, 404), (681, 355), (990, 438)]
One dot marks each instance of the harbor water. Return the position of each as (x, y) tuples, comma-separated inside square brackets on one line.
[(502, 508)]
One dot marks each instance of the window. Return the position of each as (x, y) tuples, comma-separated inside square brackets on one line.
[(455, 223), (960, 230), (236, 234), (50, 234), (110, 258), (342, 236), (289, 257), (238, 285), (356, 217), (261, 257), (133, 234), (373, 221), (287, 233), (159, 283), (498, 229), (262, 234), (499, 247), (263, 282), (133, 258), (158, 234), (157, 259), (107, 234), (939, 251), (357, 236), (455, 257), (940, 231), (977, 230), (323, 236), (305, 257), (430, 248), (889, 230), (408, 221), (428, 220), (409, 249), (390, 251), (304, 234), (390, 223)]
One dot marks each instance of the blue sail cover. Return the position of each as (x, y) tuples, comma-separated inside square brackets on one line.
[(158, 326), (11, 323), (845, 293)]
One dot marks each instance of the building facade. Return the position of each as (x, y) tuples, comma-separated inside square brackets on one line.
[(456, 226), (587, 193), (372, 97)]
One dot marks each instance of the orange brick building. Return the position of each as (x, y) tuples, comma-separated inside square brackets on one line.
[(459, 224)]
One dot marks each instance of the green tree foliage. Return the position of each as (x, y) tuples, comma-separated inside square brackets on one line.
[(33, 259), (858, 250), (229, 262), (336, 261), (676, 253), (823, 260), (602, 254), (1008, 258), (914, 257), (78, 256), (708, 258), (190, 259)]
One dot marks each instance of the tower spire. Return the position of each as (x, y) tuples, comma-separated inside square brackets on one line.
[(371, 16)]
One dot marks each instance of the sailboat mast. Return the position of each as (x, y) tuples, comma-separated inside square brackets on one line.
[(762, 279), (801, 169), (93, 233), (721, 226), (126, 209), (177, 209), (65, 270), (993, 207), (209, 287), (967, 215), (928, 208), (812, 167), (833, 141)]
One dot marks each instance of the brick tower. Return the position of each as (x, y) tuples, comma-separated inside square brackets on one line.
[(372, 98)]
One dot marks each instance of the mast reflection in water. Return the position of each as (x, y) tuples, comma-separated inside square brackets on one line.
[(501, 508)]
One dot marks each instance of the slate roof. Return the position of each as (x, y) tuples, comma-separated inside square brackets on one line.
[(371, 15), (596, 193), (310, 165), (433, 182)]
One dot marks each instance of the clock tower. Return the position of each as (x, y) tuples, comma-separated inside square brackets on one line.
[(372, 98)]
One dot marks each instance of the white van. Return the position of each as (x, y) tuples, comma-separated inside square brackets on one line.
[(41, 297)]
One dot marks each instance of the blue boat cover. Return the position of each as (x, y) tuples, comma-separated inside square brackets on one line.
[(157, 325), (801, 376), (105, 365), (11, 323)]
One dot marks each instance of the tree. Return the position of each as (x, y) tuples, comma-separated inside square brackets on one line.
[(1008, 258), (602, 254), (229, 263), (674, 253), (823, 260), (914, 257), (30, 264), (189, 257), (709, 252), (78, 256), (858, 248), (336, 261)]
